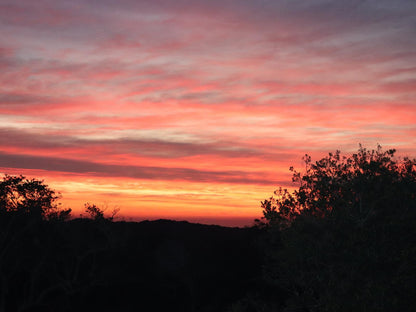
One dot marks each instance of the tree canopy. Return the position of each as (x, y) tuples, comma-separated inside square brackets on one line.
[(344, 240), (30, 198), (359, 186)]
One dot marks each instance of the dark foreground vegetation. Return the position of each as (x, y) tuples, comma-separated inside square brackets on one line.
[(49, 262), (345, 240)]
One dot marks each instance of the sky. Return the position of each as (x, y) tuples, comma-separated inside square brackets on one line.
[(195, 110)]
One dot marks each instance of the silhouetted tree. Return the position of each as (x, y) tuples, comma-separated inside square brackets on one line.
[(359, 186), (96, 213), (28, 241), (345, 239), (31, 198)]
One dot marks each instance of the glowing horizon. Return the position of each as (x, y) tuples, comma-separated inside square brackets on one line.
[(196, 110)]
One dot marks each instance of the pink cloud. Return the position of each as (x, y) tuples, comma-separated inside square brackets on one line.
[(212, 94)]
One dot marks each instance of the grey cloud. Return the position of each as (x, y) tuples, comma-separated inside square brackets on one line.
[(150, 148), (138, 172), (7, 99), (153, 148), (24, 139), (320, 27)]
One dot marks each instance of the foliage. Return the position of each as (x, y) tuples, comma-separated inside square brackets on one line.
[(82, 265), (346, 237), (96, 213), (361, 186), (30, 198)]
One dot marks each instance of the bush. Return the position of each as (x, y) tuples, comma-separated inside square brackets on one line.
[(30, 198), (347, 236)]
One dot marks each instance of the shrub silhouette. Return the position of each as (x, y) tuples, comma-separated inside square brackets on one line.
[(96, 213), (345, 239), (30, 198), (28, 214), (361, 186)]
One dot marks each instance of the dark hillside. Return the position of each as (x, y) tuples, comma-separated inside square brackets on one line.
[(86, 265)]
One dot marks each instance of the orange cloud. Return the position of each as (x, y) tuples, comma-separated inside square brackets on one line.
[(196, 110)]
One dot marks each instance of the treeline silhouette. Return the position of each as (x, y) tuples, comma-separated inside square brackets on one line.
[(344, 240), (50, 262)]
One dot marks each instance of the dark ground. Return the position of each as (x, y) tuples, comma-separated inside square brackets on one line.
[(85, 265)]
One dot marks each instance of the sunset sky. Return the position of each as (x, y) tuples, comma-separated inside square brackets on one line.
[(194, 110)]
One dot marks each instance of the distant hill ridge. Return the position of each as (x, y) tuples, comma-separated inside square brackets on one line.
[(89, 265)]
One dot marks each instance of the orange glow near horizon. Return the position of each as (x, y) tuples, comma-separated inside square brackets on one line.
[(205, 202), (195, 111)]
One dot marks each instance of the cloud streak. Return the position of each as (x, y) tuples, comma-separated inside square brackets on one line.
[(137, 172)]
